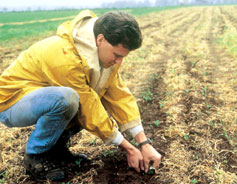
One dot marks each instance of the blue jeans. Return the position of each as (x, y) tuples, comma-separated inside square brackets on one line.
[(50, 109)]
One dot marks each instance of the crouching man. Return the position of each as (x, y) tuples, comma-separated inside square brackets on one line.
[(74, 75)]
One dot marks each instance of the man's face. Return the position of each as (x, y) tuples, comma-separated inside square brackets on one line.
[(110, 55)]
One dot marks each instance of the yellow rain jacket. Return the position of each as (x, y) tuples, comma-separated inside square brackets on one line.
[(70, 59)]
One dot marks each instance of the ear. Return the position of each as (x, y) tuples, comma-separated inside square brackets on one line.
[(99, 40)]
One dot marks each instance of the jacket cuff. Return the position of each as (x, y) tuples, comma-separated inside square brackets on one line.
[(135, 130), (131, 124), (118, 139), (112, 136)]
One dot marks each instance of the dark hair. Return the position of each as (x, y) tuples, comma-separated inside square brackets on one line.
[(119, 28)]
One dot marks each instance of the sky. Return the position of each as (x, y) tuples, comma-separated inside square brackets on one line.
[(21, 4)]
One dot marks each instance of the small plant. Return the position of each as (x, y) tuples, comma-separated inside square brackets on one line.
[(235, 120), (92, 142), (107, 153), (2, 176), (204, 91), (134, 142), (151, 170), (186, 137), (170, 94), (211, 123), (226, 134), (147, 95), (196, 156), (187, 90), (162, 104), (151, 140), (218, 177), (209, 106), (153, 77), (194, 63), (194, 181), (157, 123), (79, 162), (173, 70), (168, 114)]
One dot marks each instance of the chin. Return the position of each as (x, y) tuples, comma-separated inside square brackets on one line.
[(108, 66)]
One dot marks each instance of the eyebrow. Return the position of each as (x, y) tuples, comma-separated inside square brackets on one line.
[(118, 55)]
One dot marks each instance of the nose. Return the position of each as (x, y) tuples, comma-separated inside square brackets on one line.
[(119, 61)]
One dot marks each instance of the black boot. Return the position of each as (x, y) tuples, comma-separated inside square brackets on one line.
[(43, 167), (61, 151)]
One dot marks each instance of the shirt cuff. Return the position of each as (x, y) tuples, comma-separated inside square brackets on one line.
[(135, 130), (118, 139)]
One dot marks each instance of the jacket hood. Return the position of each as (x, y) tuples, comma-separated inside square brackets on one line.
[(80, 33), (65, 30)]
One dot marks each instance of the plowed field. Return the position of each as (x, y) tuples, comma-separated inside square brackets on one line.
[(185, 82)]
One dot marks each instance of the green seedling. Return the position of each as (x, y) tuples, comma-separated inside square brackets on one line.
[(186, 137), (204, 91), (161, 104), (187, 90), (134, 142), (235, 120), (107, 153), (79, 162), (194, 181), (211, 123), (2, 175), (147, 95), (157, 123), (168, 114), (151, 170), (209, 106), (92, 142), (226, 134)]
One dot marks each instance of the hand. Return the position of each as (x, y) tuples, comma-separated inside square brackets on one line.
[(150, 155), (135, 159), (134, 156)]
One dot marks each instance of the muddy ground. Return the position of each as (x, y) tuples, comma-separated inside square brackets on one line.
[(185, 84)]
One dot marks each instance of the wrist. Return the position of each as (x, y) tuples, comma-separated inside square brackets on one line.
[(126, 146), (144, 144), (140, 137)]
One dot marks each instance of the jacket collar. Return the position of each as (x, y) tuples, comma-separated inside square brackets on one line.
[(85, 43)]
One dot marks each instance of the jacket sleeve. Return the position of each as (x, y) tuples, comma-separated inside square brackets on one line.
[(92, 114), (120, 103)]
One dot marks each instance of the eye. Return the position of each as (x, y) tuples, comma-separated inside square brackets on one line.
[(118, 56)]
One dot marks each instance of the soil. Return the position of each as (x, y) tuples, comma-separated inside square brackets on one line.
[(185, 86)]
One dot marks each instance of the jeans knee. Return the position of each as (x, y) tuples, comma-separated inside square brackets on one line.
[(70, 100)]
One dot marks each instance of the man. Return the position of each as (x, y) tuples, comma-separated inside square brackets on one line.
[(71, 80)]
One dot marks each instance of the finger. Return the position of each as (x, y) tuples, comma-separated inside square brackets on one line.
[(137, 168), (134, 163), (146, 163), (157, 162), (141, 162)]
